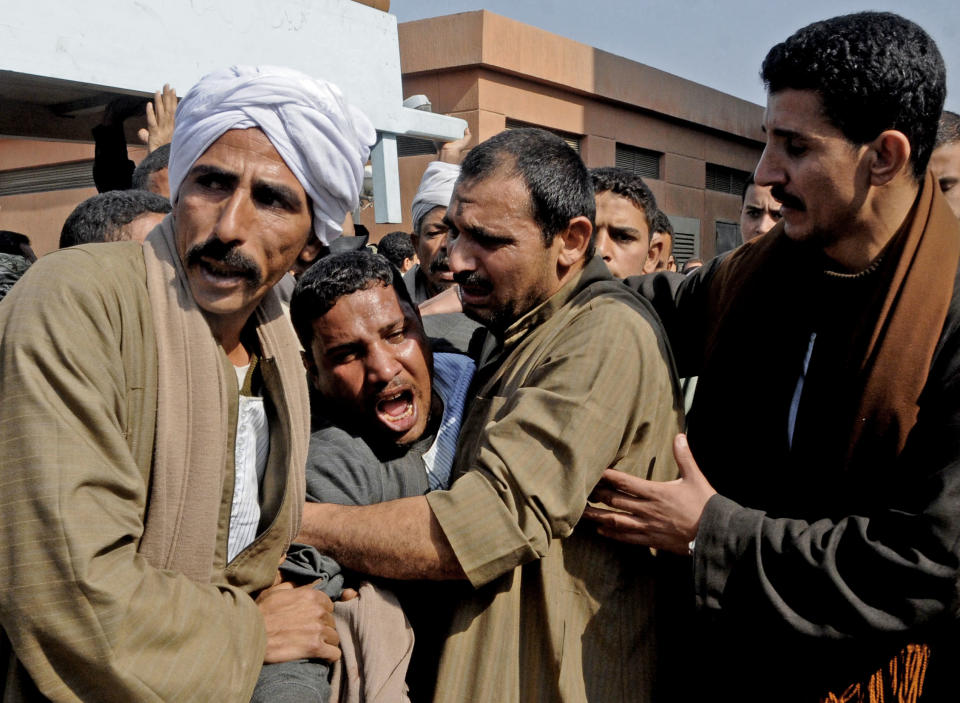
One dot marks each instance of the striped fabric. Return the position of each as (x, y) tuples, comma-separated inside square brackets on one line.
[(452, 374), (250, 463), (556, 613)]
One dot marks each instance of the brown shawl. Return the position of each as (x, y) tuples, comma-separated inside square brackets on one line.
[(890, 360), (899, 342), (194, 393)]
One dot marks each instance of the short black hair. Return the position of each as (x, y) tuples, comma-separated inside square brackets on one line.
[(627, 184), (396, 247), (661, 223), (948, 131), (101, 218), (337, 275), (156, 160), (558, 182), (13, 242), (874, 71)]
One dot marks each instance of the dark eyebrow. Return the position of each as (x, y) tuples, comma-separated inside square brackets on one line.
[(786, 133), (210, 170), (280, 192), (392, 326), (483, 235), (346, 346)]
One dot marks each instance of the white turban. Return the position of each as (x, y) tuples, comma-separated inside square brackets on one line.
[(436, 189), (324, 141)]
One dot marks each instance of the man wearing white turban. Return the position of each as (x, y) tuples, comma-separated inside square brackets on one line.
[(155, 415), (432, 275)]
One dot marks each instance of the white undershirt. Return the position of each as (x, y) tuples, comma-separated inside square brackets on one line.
[(249, 463)]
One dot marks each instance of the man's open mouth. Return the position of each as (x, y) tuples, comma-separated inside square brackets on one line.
[(397, 410)]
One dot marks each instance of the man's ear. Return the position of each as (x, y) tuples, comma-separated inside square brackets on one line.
[(575, 240), (890, 153), (311, 250), (654, 252)]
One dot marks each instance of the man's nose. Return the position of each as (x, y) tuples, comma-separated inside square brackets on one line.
[(767, 221), (602, 242), (382, 365), (459, 255), (234, 218), (768, 170)]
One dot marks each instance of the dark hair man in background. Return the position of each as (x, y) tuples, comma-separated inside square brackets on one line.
[(152, 173), (576, 371), (662, 235), (625, 211), (397, 248), (826, 545), (114, 216), (945, 160), (17, 244), (759, 210)]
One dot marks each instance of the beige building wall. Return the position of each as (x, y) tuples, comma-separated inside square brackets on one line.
[(488, 69), (40, 216)]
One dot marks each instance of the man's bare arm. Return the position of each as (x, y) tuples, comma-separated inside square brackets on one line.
[(399, 539)]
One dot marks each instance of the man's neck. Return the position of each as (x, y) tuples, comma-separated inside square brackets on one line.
[(879, 220), (229, 335)]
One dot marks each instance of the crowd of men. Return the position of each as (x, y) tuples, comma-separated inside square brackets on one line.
[(242, 459)]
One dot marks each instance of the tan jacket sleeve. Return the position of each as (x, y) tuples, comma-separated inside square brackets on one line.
[(87, 617)]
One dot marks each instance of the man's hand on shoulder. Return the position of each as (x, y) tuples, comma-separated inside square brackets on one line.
[(299, 624), (650, 513)]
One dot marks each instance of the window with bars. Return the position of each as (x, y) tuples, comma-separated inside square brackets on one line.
[(685, 246), (686, 238), (725, 179), (40, 179), (415, 146), (728, 236), (643, 162), (572, 139)]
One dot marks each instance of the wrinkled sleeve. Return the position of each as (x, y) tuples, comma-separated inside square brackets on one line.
[(577, 413), (889, 570), (87, 617)]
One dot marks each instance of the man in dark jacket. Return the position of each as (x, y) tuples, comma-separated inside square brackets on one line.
[(824, 529)]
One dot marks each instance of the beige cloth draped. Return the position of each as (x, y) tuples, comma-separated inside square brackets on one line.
[(180, 530), (377, 642)]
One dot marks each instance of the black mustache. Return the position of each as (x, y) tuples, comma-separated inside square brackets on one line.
[(226, 254), (441, 263), (791, 202), (472, 279)]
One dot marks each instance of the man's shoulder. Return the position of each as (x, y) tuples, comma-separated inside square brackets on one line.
[(90, 267), (327, 436), (619, 307), (88, 281)]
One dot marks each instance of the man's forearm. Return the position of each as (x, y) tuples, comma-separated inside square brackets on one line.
[(399, 539)]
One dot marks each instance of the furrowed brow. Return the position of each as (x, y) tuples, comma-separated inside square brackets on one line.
[(200, 170), (280, 192)]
